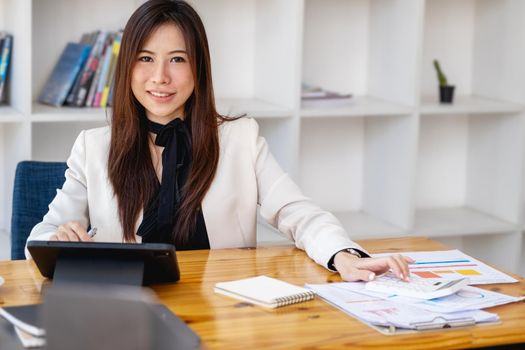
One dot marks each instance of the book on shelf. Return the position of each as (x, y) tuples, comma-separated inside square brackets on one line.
[(87, 39), (107, 93), (90, 69), (98, 73), (90, 83), (102, 72), (317, 97), (6, 45), (63, 76)]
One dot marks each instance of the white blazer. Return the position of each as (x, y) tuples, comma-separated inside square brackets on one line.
[(247, 175)]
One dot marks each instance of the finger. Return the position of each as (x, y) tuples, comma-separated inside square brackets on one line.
[(66, 234), (395, 266), (62, 236), (353, 274), (403, 265), (376, 265), (72, 236), (80, 231), (408, 259), (53, 238)]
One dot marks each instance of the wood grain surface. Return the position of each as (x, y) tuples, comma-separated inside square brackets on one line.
[(225, 323)]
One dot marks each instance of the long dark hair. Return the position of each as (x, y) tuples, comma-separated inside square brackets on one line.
[(130, 167)]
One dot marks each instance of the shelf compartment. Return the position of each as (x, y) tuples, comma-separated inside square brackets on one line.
[(469, 161), (254, 48), (63, 135), (361, 225), (360, 165), (454, 221), (9, 114), (44, 113), (361, 35), (360, 106), (468, 105), (358, 225), (252, 107), (15, 146), (478, 44), (267, 235)]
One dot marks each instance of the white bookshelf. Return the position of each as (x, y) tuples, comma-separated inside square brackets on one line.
[(468, 105), (392, 162), (9, 115), (358, 106), (362, 225), (459, 221)]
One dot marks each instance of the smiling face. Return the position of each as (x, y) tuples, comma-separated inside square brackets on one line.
[(161, 79)]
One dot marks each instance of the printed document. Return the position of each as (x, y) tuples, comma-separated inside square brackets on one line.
[(466, 299), (452, 264), (384, 312)]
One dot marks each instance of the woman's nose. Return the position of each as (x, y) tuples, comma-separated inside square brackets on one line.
[(161, 74)]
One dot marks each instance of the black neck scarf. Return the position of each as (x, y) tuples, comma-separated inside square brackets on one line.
[(161, 214)]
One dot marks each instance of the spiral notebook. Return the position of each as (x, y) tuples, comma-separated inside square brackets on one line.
[(264, 291)]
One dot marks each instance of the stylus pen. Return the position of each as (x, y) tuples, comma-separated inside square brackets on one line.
[(92, 232)]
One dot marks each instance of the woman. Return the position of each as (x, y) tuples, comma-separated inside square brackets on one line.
[(171, 169)]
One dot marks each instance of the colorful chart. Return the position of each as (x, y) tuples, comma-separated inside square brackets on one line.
[(451, 264), (434, 269)]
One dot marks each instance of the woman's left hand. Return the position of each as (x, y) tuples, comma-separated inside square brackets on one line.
[(352, 268)]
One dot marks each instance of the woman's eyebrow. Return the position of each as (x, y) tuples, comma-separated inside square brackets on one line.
[(171, 52)]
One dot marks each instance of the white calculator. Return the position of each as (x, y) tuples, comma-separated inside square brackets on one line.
[(421, 288)]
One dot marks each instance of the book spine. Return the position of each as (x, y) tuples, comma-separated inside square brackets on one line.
[(107, 93), (2, 38), (63, 75), (96, 77), (88, 39), (4, 64), (104, 72), (90, 71)]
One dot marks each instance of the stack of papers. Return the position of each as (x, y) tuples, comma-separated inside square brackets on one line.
[(391, 313), (27, 324), (317, 97), (453, 264)]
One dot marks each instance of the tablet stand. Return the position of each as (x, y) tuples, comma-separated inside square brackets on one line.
[(110, 270)]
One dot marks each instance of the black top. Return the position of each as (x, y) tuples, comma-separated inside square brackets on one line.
[(160, 215)]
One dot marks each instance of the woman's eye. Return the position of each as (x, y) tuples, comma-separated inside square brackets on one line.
[(145, 59), (178, 59)]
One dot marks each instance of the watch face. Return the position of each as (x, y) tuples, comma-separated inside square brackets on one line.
[(353, 252)]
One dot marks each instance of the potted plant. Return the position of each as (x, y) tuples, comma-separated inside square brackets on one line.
[(446, 92)]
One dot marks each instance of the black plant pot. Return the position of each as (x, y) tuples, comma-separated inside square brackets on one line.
[(446, 93)]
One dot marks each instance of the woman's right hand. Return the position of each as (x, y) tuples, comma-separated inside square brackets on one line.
[(71, 231)]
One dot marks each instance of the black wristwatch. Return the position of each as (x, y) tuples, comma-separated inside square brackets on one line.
[(352, 251)]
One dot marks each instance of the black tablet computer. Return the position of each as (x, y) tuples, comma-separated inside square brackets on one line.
[(118, 263)]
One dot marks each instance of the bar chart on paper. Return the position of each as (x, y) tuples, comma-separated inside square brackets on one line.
[(452, 264)]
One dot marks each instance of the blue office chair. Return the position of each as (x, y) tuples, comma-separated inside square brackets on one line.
[(35, 187)]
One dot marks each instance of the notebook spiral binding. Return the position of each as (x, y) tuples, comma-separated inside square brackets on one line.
[(297, 298)]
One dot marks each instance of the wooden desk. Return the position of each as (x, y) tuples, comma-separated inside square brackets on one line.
[(225, 323)]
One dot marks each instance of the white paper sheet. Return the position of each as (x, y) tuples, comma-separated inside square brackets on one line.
[(452, 264), (383, 312), (468, 298)]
